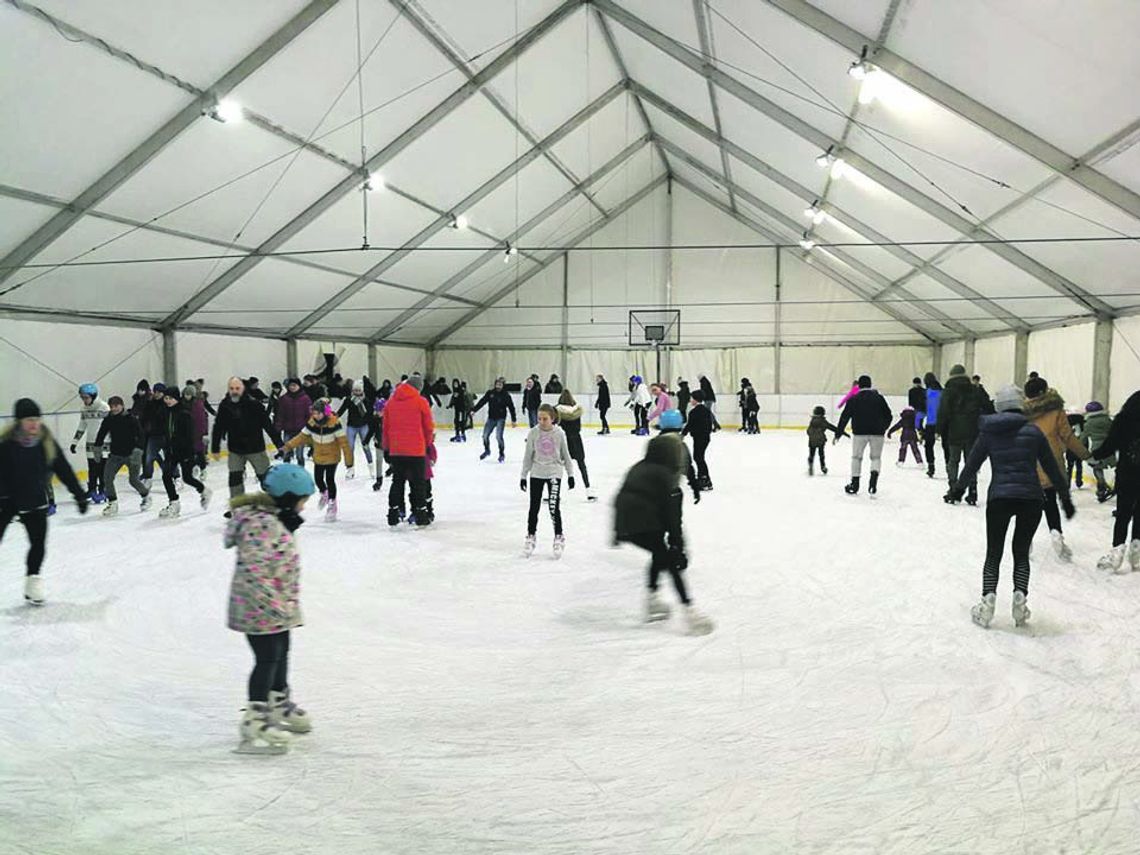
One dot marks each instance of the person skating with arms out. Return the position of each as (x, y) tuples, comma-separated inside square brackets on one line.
[(499, 403), (648, 514), (178, 453), (1015, 449), (570, 420), (1098, 425), (545, 458), (264, 603), (817, 439), (90, 418), (869, 416), (358, 407), (242, 422), (327, 438), (700, 426), (124, 433), (908, 440), (29, 456)]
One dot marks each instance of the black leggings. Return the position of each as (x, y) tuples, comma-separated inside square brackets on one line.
[(35, 524), (1127, 511), (929, 438), (581, 461), (821, 450), (602, 416), (270, 665), (325, 476), (1074, 462), (654, 543), (554, 502), (700, 446), (999, 512), (188, 478), (1052, 512)]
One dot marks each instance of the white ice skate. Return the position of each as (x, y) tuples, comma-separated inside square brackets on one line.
[(146, 502), (697, 622), (350, 473), (323, 503), (111, 509), (371, 470), (529, 545), (258, 734), (1060, 547), (1020, 609), (655, 609), (174, 509), (559, 545), (34, 590), (285, 714), (330, 511), (1134, 556), (204, 497), (1113, 561), (196, 472), (983, 612)]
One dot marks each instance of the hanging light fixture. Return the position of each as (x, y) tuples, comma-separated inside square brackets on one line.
[(860, 68), (815, 213), (806, 242), (511, 251), (375, 183), (458, 222), (226, 111), (826, 158)]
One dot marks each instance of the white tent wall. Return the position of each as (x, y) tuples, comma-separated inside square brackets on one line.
[(993, 360), (392, 361), (953, 353), (1064, 357), (216, 358), (1125, 363)]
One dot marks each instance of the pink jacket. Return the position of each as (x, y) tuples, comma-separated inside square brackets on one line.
[(429, 464), (664, 402)]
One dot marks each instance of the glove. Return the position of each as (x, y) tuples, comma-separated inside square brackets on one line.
[(81, 503), (1067, 507), (836, 440), (678, 560), (522, 484), (349, 473), (73, 447), (696, 497), (570, 482)]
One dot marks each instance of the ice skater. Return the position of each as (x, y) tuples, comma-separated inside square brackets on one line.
[(532, 399), (545, 458), (662, 403), (672, 423), (817, 439), (700, 426), (602, 403), (638, 401), (291, 415), (126, 449), (178, 454), (408, 431), (1015, 449), (90, 418), (265, 603), (706, 388), (29, 456), (570, 420), (750, 408), (358, 407), (648, 514), (242, 421), (377, 437), (327, 438), (869, 416), (929, 421), (1123, 441), (458, 406), (499, 403), (1098, 425), (908, 439)]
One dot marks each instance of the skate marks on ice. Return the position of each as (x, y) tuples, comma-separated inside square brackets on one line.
[(53, 611)]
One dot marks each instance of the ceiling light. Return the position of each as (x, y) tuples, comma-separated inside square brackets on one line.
[(458, 222), (810, 212), (860, 68), (375, 183), (826, 159), (511, 250), (806, 242), (838, 168), (227, 110)]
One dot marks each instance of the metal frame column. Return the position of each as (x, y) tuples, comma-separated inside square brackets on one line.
[(1020, 358), (169, 357), (564, 365), (291, 358), (373, 364), (969, 356), (1102, 362)]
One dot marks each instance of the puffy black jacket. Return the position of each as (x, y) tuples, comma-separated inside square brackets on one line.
[(532, 397), (125, 432), (498, 402), (243, 424), (25, 471), (180, 432), (359, 412), (1014, 448), (603, 401), (152, 418), (699, 422), (961, 406), (868, 414), (1124, 440), (916, 399), (650, 497)]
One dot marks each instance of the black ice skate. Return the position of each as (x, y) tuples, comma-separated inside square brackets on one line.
[(395, 516), (972, 497), (852, 488), (873, 484)]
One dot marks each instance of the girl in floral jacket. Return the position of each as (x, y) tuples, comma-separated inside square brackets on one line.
[(265, 602)]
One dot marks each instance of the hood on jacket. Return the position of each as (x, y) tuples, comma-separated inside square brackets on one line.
[(565, 411), (1003, 423), (254, 501), (404, 392), (664, 450), (1045, 403)]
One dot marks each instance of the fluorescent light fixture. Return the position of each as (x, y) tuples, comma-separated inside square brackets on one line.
[(459, 222), (806, 242), (228, 110), (376, 183)]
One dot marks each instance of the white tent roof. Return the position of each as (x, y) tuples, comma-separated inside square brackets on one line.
[(551, 125)]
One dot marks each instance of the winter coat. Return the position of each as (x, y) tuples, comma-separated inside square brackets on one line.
[(751, 402), (933, 404), (546, 455), (179, 433), (292, 411), (683, 397), (639, 396), (868, 414), (1016, 450), (458, 403), (153, 419), (90, 419), (498, 401), (906, 424), (985, 400), (663, 403), (700, 422), (603, 399), (139, 401), (570, 420), (961, 406), (707, 391), (916, 399), (649, 500), (266, 587), (408, 425), (1123, 440), (358, 409), (328, 440), (1047, 412), (200, 424), (817, 431), (1097, 428), (553, 386), (25, 470), (532, 397), (124, 432), (242, 424)]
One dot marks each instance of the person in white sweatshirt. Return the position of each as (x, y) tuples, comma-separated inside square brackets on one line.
[(546, 457), (91, 417)]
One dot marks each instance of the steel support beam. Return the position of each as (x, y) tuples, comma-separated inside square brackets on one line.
[(1020, 358), (823, 141), (1102, 362), (373, 363), (821, 265), (291, 363), (776, 332), (157, 141), (863, 229), (991, 121), (170, 357), (582, 235), (968, 358), (704, 34), (565, 364), (456, 279), (352, 182), (443, 221), (937, 360)]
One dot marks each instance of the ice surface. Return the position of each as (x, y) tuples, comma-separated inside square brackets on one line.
[(466, 700)]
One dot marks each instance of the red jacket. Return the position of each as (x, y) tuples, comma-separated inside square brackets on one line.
[(408, 425)]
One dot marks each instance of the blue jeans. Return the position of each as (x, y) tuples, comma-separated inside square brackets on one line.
[(496, 425), (154, 444), (532, 417), (297, 454), (352, 433)]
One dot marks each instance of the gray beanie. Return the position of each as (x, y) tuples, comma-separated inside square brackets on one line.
[(416, 382), (957, 369), (1009, 399)]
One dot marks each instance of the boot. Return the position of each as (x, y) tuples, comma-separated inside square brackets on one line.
[(330, 511), (697, 622), (1113, 561), (146, 502), (174, 509), (51, 509), (204, 497), (559, 545), (983, 612), (258, 734), (529, 545), (1060, 547), (486, 453), (655, 609), (873, 483), (34, 590), (930, 471), (502, 456), (111, 509), (972, 496), (1134, 555), (285, 714), (1019, 609), (852, 488), (706, 484), (395, 516), (823, 468)]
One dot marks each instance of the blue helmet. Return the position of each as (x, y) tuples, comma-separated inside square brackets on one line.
[(670, 420), (90, 390), (637, 379), (289, 479)]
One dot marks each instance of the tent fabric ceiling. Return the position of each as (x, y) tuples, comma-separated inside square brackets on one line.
[(90, 174)]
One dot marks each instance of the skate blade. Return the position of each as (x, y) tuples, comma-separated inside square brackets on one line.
[(268, 748), (37, 603), (655, 618)]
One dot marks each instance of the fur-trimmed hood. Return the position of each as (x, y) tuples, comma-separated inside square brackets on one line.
[(572, 413), (1047, 402), (254, 501)]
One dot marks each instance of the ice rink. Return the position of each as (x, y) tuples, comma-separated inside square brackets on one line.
[(467, 700)]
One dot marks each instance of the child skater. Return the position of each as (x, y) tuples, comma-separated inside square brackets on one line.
[(265, 602), (570, 420), (672, 423), (909, 438), (817, 439), (90, 419), (700, 426), (127, 443), (647, 513), (358, 406), (325, 435), (1098, 424), (1015, 448), (545, 458), (458, 404), (1123, 440)]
